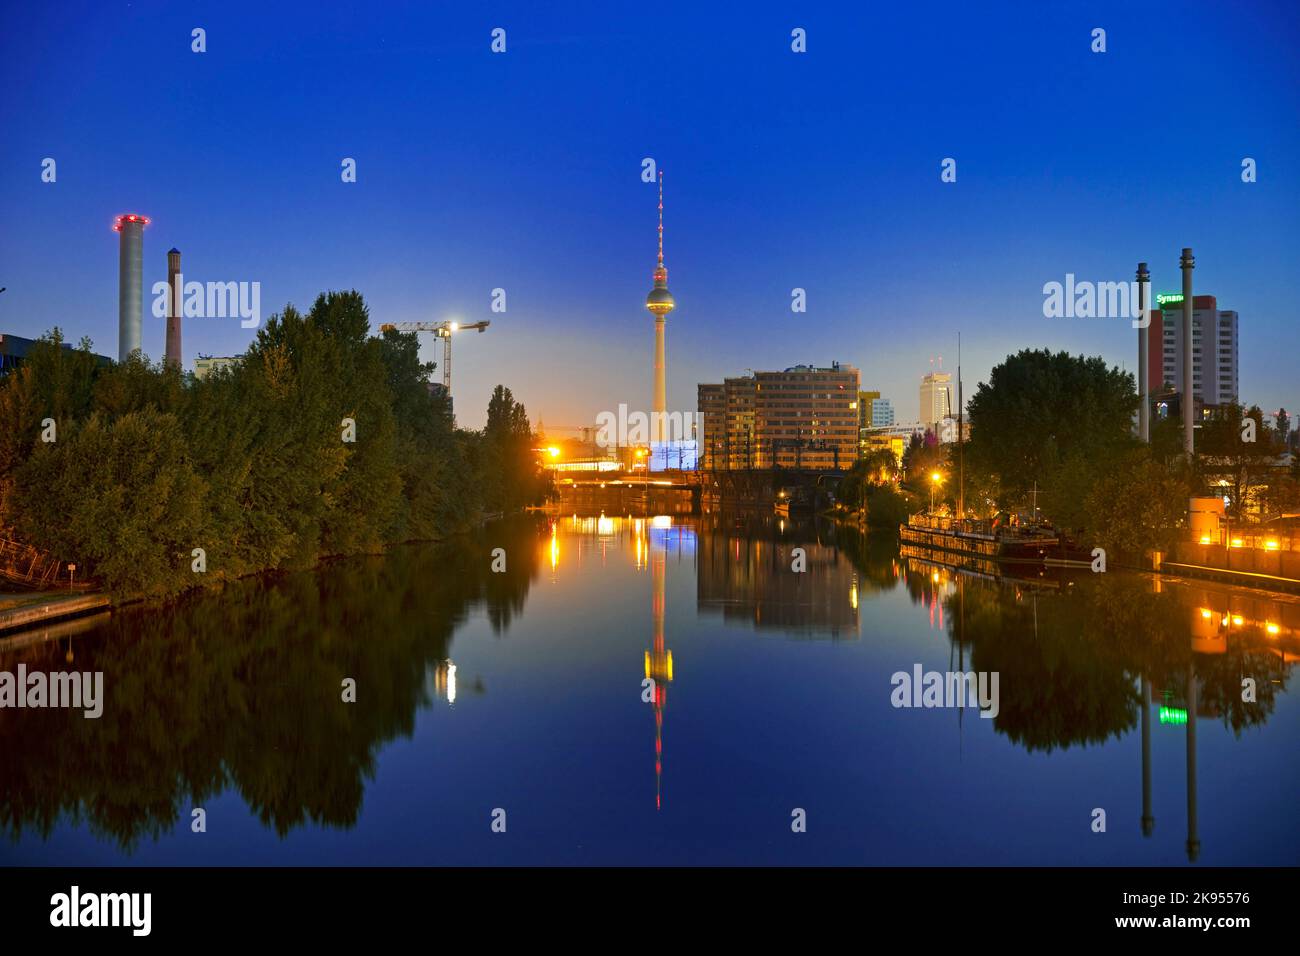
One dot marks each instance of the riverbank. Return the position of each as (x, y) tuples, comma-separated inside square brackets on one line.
[(20, 611), (1249, 579), (25, 610)]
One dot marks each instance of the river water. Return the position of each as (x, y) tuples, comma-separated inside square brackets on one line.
[(770, 734)]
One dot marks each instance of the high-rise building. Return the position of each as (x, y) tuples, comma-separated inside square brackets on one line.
[(936, 399), (660, 302), (1214, 381), (712, 406), (807, 417), (882, 413), (802, 417), (738, 437), (864, 407)]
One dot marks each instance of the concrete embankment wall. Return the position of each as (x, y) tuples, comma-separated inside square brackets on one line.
[(42, 609), (1259, 567)]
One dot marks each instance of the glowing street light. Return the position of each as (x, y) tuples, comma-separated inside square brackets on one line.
[(936, 479)]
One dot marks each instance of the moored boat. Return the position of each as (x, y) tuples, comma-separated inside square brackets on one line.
[(1004, 537)]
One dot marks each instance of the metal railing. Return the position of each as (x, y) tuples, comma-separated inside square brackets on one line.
[(23, 564)]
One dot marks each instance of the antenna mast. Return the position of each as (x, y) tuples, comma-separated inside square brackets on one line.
[(961, 457)]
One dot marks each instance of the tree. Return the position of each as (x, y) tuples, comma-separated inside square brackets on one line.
[(120, 498), (323, 440), (923, 458), (1227, 461), (514, 478), (881, 466), (1139, 505), (53, 383), (1040, 410)]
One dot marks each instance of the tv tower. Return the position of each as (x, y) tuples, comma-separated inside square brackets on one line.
[(660, 303)]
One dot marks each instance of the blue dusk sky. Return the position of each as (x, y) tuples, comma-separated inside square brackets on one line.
[(522, 171)]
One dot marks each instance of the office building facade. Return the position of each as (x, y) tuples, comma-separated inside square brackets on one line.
[(802, 417), (936, 399), (882, 413), (1215, 361)]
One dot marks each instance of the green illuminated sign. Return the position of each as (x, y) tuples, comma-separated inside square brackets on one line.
[(1169, 298), (1173, 715)]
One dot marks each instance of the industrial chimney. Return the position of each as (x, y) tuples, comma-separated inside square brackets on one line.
[(174, 311), (1187, 263), (130, 279), (1144, 384)]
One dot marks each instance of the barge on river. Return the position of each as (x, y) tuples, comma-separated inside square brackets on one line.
[(1004, 537)]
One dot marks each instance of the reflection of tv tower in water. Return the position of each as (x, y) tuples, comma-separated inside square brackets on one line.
[(658, 661)]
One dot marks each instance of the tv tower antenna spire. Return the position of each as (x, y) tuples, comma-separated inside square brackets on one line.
[(661, 227), (660, 303)]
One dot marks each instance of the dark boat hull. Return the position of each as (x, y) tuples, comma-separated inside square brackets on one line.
[(996, 547)]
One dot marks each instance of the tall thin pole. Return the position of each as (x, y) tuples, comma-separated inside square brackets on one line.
[(961, 458), (1148, 819), (1144, 382), (1188, 263), (1193, 833)]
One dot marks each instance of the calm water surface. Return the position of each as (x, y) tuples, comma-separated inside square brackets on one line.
[(523, 691)]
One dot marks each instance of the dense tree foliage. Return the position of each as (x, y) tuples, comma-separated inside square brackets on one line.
[(508, 447), (1042, 411), (869, 489), (323, 440), (1057, 430), (1137, 506), (1238, 455)]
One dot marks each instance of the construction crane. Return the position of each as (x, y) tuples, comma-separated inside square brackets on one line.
[(442, 330)]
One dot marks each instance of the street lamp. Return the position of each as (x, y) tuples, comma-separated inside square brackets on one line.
[(935, 480), (645, 481)]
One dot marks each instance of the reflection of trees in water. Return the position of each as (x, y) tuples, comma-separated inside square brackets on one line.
[(1069, 661), (243, 689), (1061, 679), (874, 554), (1221, 676), (1070, 655)]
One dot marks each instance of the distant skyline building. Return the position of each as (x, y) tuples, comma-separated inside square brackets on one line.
[(205, 365), (1215, 380), (936, 399), (801, 417), (865, 398), (882, 413), (660, 302), (15, 348)]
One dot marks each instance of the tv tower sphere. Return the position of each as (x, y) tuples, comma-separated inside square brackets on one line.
[(660, 300)]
